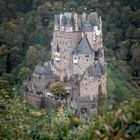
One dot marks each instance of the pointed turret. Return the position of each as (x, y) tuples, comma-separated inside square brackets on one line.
[(56, 22), (83, 46), (69, 27)]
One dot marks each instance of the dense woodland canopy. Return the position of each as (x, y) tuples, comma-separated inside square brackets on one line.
[(25, 33)]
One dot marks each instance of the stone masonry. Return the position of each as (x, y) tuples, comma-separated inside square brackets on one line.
[(77, 50)]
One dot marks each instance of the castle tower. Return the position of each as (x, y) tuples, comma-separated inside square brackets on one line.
[(66, 35)]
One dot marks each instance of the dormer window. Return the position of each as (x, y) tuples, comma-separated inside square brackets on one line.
[(69, 29), (62, 28)]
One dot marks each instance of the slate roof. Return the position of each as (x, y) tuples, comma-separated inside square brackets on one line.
[(79, 23), (56, 19), (94, 19), (83, 47), (90, 20), (69, 23), (38, 70), (63, 21), (95, 71), (86, 26), (68, 15), (47, 69), (43, 71), (84, 15), (87, 21)]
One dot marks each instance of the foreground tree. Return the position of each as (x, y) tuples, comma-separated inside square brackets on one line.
[(24, 73), (58, 89)]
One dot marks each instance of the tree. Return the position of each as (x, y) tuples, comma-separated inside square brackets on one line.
[(14, 58), (9, 77), (110, 40), (14, 117), (3, 58), (58, 89), (32, 57), (24, 73), (135, 62), (38, 35), (122, 52)]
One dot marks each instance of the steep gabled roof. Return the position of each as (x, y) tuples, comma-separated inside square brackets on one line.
[(68, 15), (83, 16), (69, 23), (83, 47), (47, 71), (94, 19), (56, 20), (86, 26), (63, 20), (38, 69), (95, 71), (43, 71)]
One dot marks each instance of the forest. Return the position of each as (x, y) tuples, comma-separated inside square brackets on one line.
[(26, 28)]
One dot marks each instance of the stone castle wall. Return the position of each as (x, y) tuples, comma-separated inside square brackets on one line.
[(41, 101), (67, 42), (84, 61), (33, 100), (89, 87)]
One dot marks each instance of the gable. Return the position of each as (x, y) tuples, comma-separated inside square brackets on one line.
[(83, 47), (95, 71)]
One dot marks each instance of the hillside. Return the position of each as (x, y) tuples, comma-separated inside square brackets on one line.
[(120, 85), (25, 35)]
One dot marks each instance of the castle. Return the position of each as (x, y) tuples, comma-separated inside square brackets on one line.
[(77, 51), (77, 57)]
